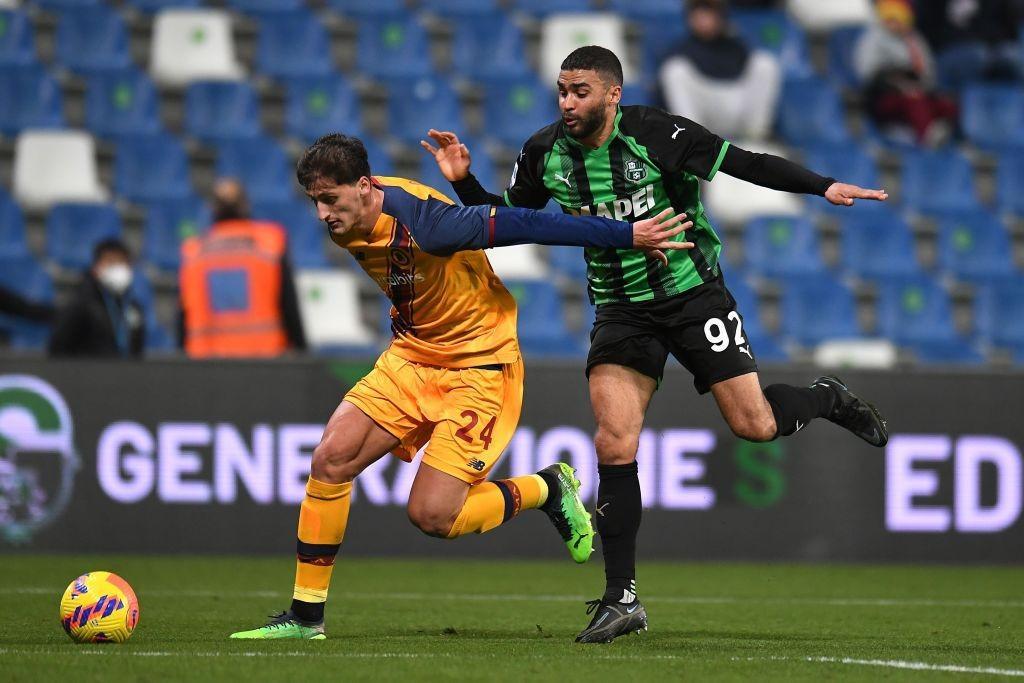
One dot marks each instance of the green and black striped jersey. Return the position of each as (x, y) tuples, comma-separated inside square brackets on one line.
[(652, 161)]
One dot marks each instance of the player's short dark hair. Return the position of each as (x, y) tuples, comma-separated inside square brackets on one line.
[(110, 245), (595, 58), (341, 158)]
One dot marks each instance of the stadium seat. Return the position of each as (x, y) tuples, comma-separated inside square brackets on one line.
[(775, 32), (827, 15), (221, 110), (810, 112), (13, 240), (763, 344), (463, 9), (841, 45), (541, 320), (999, 313), (380, 159), (260, 164), (151, 167), (331, 316), (168, 223), (27, 278), (73, 229), (292, 44), (56, 166), (123, 103), (417, 104), (520, 262), (848, 162), (877, 244), (321, 104), (665, 12), (542, 8), (154, 6), (193, 45), (393, 46), (515, 109), (560, 34), (260, 6), (569, 261), (974, 246), (913, 310), (58, 5), (660, 38), (993, 115), (483, 51), (306, 234), (782, 246), (817, 308), (483, 168), (938, 182), (17, 40), (733, 201), (91, 39), (29, 98), (362, 9), (1010, 180)]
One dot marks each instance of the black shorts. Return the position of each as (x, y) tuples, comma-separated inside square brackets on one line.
[(700, 327)]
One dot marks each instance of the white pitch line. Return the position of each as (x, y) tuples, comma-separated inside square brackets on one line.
[(527, 597), (893, 664)]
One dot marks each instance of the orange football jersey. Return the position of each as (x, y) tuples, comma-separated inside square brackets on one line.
[(448, 311)]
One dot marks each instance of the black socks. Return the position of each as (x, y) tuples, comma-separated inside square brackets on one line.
[(312, 612), (618, 519), (794, 407)]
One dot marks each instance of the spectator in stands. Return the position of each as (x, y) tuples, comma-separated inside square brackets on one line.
[(237, 293), (102, 319), (713, 76), (974, 39), (894, 62)]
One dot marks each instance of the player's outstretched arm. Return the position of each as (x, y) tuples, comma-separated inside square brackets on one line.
[(842, 194)]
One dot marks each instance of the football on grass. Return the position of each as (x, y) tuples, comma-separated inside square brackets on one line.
[(99, 607)]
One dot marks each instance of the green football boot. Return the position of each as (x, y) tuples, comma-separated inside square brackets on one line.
[(284, 625), (566, 511)]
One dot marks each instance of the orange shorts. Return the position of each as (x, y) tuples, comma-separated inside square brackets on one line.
[(467, 415)]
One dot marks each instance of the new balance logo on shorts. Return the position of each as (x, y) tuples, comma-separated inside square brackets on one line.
[(477, 465)]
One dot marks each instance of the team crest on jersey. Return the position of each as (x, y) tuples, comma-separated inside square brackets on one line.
[(400, 256), (635, 170)]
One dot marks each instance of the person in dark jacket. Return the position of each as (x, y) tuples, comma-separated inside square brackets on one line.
[(102, 319)]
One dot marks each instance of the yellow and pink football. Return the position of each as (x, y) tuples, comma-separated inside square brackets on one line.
[(99, 607)]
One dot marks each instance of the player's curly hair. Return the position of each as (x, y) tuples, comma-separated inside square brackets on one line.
[(595, 58), (341, 158)]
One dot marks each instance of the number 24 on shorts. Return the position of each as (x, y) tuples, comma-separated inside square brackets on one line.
[(716, 333), (485, 433)]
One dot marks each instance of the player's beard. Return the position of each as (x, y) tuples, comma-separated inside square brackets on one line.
[(588, 125)]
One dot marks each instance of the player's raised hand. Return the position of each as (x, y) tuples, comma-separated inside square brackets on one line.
[(452, 156), (654, 235), (842, 194)]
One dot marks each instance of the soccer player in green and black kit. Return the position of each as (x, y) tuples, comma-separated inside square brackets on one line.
[(628, 162)]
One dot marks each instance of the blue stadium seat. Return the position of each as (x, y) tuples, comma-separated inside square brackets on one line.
[(847, 162), (27, 278), (59, 5), (999, 313), (29, 98), (417, 104), (73, 229), (91, 39), (938, 182), (463, 9), (569, 262), (877, 244), (260, 164), (392, 46), (482, 50), (542, 8), (221, 110), (1010, 180), (993, 115), (542, 330), (362, 9), (774, 31), (841, 45), (305, 232), (483, 168), (819, 307), (764, 345), (810, 112), (780, 246), (13, 240), (151, 167), (291, 44), (17, 40), (974, 246), (120, 103), (665, 12), (168, 223), (258, 6), (379, 157), (515, 109), (659, 40), (915, 312), (322, 104), (154, 6)]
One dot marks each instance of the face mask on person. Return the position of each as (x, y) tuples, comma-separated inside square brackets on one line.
[(117, 278)]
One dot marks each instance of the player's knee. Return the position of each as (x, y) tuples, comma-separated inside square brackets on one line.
[(332, 464), (754, 426), (615, 447), (431, 520)]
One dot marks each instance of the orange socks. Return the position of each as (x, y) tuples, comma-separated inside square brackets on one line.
[(322, 521), (492, 503)]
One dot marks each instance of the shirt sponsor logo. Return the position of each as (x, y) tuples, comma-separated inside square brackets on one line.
[(634, 206)]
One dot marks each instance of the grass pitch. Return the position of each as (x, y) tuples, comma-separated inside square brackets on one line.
[(515, 621)]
